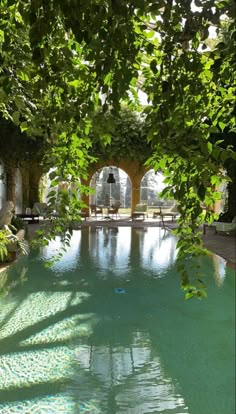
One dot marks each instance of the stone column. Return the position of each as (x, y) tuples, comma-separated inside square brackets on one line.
[(34, 178), (135, 171), (10, 169), (136, 178), (217, 207), (135, 199), (25, 171)]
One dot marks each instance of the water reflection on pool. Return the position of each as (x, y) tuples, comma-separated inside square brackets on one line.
[(107, 330)]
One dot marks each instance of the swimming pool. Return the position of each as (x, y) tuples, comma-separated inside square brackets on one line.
[(107, 330)]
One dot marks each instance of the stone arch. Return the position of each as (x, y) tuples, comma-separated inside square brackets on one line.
[(31, 178), (151, 186), (132, 168), (44, 186), (107, 194)]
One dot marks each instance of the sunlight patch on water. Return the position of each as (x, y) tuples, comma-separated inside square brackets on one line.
[(37, 307), (70, 344), (53, 404), (21, 369)]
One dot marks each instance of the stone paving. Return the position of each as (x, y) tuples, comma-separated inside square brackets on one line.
[(223, 245)]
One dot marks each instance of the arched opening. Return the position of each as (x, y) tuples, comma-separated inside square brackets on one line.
[(222, 206), (45, 186), (18, 182), (3, 190), (152, 185), (106, 194)]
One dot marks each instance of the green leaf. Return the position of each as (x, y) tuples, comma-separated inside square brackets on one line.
[(209, 146), (153, 66), (3, 95), (223, 156), (216, 153), (24, 126), (222, 125), (75, 83), (215, 180), (19, 102), (23, 76), (1, 35), (16, 116), (208, 74)]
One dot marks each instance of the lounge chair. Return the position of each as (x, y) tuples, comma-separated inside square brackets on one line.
[(96, 210), (172, 212), (225, 227), (40, 209), (114, 209), (140, 212), (84, 213)]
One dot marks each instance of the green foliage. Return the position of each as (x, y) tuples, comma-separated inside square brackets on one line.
[(17, 224), (124, 136), (62, 61), (4, 241), (8, 239), (17, 146)]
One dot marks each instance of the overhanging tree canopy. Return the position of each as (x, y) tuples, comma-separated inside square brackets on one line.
[(63, 59)]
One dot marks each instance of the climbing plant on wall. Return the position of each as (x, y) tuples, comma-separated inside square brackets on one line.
[(62, 60)]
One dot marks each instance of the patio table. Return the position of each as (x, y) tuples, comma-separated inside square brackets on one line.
[(107, 217), (29, 218)]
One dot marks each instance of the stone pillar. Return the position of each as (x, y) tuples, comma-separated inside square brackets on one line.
[(136, 178), (133, 169), (34, 178), (217, 207), (25, 185), (135, 199), (10, 169)]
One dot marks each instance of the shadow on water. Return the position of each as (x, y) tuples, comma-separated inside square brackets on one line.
[(32, 391), (108, 328)]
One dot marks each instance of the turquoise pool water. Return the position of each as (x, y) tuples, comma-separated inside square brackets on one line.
[(107, 330)]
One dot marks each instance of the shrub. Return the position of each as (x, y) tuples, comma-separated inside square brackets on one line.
[(4, 241)]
